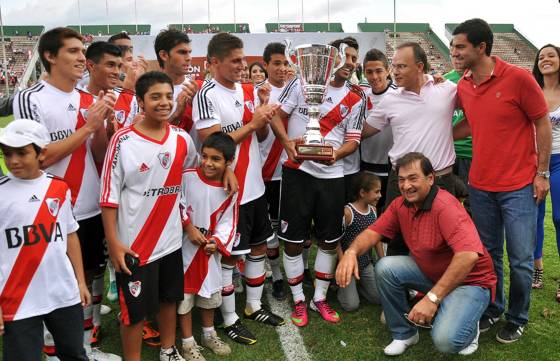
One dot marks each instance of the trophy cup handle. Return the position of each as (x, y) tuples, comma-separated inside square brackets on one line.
[(342, 57), (288, 53)]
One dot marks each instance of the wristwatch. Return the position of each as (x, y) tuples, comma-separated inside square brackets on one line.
[(432, 297), (544, 173)]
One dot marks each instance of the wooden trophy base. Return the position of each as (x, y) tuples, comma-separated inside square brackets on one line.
[(314, 152)]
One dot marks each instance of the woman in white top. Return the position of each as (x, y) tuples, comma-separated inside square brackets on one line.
[(546, 71)]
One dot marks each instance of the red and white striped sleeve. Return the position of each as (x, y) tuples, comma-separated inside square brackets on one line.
[(112, 175), (355, 122)]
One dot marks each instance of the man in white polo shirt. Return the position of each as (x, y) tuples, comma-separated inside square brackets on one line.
[(419, 113)]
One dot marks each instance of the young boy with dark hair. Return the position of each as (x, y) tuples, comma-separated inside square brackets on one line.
[(140, 197), (209, 234), (42, 278)]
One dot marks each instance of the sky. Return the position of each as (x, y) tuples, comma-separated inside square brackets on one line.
[(536, 19)]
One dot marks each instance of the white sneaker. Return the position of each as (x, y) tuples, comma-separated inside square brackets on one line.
[(95, 354), (398, 347), (173, 356), (470, 349), (105, 310)]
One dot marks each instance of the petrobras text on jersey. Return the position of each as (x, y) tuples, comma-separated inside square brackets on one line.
[(162, 191)]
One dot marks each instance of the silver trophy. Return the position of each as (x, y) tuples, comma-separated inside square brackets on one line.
[(315, 64)]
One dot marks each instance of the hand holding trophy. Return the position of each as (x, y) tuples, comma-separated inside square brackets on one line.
[(315, 64)]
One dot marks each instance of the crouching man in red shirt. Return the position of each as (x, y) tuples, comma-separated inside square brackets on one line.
[(447, 262)]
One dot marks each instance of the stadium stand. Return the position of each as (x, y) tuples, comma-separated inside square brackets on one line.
[(509, 44), (100, 30), (436, 50), (304, 27), (211, 28), (20, 44)]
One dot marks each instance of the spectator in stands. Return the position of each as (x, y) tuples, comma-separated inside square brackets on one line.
[(546, 71), (257, 73), (447, 262), (509, 175)]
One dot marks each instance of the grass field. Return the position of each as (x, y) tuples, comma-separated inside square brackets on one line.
[(364, 336)]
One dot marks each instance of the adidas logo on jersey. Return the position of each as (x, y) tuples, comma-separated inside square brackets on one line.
[(329, 100), (71, 108), (238, 104), (144, 168), (34, 198)]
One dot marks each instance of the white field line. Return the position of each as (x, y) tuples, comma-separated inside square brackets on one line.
[(290, 338)]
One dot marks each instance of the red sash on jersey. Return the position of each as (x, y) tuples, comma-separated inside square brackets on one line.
[(122, 107), (331, 120), (76, 166), (29, 257), (242, 164), (273, 157), (198, 269), (148, 237)]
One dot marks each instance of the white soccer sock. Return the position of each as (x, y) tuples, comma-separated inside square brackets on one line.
[(97, 296), (305, 254), (324, 271), (294, 273), (187, 341), (254, 280), (228, 296), (207, 331)]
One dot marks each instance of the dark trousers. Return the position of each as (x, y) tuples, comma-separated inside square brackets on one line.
[(23, 339)]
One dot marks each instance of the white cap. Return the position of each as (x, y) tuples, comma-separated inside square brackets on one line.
[(21, 132)]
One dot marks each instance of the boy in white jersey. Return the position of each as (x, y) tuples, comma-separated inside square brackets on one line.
[(223, 104), (140, 197), (209, 234), (273, 154), (313, 191), (75, 123), (43, 277)]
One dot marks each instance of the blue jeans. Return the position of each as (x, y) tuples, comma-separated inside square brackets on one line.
[(555, 197), (516, 213), (455, 323)]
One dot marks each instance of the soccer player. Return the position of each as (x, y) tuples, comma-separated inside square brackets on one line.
[(209, 234), (313, 191), (42, 278), (140, 196), (173, 51), (75, 123), (374, 151), (223, 104), (273, 154)]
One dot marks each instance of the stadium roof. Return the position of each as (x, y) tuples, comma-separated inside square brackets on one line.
[(201, 28), (307, 27), (21, 30), (113, 29), (405, 27)]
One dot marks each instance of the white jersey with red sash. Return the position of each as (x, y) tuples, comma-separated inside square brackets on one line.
[(272, 151), (126, 107), (215, 104), (142, 178), (62, 114), (36, 276), (342, 115), (209, 209)]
